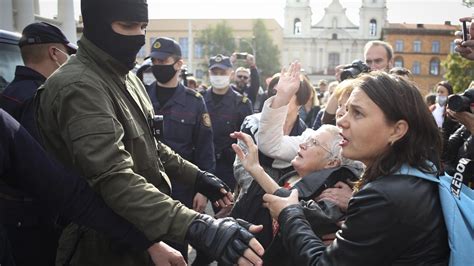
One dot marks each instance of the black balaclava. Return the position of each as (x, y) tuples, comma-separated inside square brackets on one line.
[(98, 16)]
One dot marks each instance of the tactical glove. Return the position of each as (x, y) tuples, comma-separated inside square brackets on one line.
[(210, 186), (223, 239)]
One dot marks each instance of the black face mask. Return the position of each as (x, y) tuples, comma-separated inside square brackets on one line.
[(163, 73), (98, 17)]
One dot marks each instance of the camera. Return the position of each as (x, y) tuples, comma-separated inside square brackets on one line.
[(241, 56), (461, 102), (155, 124), (184, 75), (354, 69)]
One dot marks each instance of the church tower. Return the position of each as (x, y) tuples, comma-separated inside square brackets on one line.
[(373, 17), (297, 18)]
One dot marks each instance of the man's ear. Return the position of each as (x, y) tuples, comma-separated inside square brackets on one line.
[(52, 53), (179, 64), (400, 128)]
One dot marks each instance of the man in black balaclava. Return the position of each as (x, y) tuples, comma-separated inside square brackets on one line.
[(95, 116)]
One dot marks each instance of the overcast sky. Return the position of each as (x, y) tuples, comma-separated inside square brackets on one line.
[(409, 11)]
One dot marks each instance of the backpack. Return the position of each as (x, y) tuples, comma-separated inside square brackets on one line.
[(457, 202)]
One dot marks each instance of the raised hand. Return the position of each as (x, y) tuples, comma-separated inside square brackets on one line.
[(466, 48), (288, 85), (249, 160)]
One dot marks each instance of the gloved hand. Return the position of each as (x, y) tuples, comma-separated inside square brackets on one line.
[(213, 188), (224, 239)]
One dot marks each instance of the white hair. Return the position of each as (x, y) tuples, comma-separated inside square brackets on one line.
[(334, 140)]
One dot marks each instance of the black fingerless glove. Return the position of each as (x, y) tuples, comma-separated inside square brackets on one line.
[(210, 186), (223, 239)]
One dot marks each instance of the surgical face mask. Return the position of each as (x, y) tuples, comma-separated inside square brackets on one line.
[(441, 100), (148, 78), (219, 82)]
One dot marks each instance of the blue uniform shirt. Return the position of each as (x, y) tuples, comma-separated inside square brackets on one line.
[(187, 130), (186, 126), (227, 116), (17, 98)]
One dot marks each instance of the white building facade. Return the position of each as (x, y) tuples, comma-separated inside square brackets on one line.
[(333, 40), (15, 15)]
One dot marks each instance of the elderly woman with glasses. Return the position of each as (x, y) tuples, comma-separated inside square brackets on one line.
[(318, 165)]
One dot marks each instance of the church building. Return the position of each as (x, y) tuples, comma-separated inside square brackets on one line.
[(333, 39)]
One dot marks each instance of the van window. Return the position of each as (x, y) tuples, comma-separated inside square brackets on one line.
[(10, 57)]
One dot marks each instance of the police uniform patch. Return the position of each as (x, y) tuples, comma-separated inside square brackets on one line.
[(245, 99), (157, 45), (206, 120), (218, 59)]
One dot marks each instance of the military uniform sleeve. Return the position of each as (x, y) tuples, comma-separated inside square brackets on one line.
[(254, 84), (177, 167), (245, 109), (94, 137), (61, 190), (204, 155)]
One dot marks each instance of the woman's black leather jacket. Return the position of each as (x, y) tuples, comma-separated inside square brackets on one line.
[(393, 220)]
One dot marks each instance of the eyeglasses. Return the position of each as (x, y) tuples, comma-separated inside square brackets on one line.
[(242, 77), (309, 142)]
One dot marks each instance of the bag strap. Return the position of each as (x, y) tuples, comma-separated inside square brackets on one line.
[(407, 170)]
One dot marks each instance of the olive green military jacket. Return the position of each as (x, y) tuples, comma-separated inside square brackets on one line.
[(92, 115)]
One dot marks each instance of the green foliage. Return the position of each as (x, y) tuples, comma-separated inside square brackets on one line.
[(459, 71), (218, 39), (268, 54)]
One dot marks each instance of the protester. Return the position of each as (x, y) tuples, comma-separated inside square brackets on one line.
[(385, 119), (443, 90), (247, 80)]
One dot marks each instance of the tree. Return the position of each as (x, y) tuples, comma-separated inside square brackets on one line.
[(217, 40), (267, 53), (459, 71)]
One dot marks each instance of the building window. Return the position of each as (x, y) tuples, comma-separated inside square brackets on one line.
[(416, 69), (398, 62), (199, 73), (373, 27), (333, 61), (198, 51), (451, 47), (434, 67), (297, 25), (183, 42), (417, 46), (334, 36), (334, 22), (399, 46), (435, 47)]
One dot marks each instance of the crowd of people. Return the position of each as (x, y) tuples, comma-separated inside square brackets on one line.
[(102, 166)]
